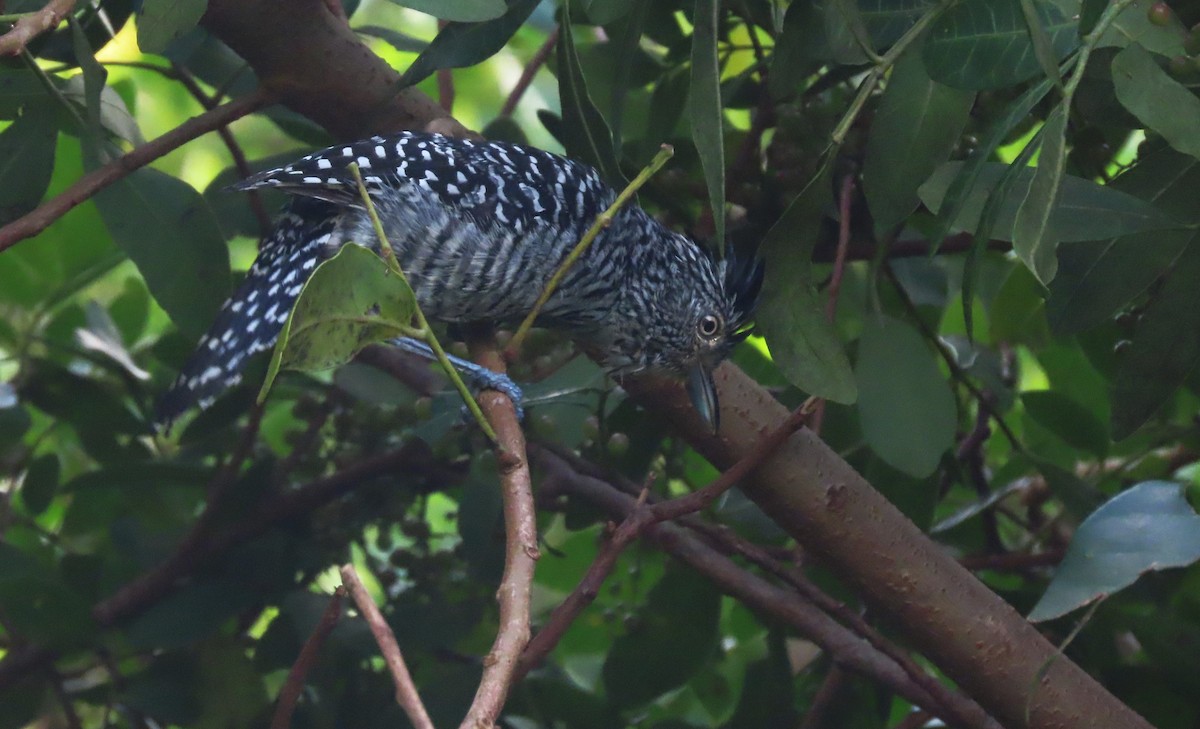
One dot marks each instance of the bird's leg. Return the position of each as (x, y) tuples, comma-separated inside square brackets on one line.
[(477, 376)]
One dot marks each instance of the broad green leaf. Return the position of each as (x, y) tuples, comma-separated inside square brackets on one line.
[(169, 232), (465, 44), (1034, 237), (1043, 49), (603, 12), (26, 161), (887, 20), (18, 88), (1017, 314), (1133, 25), (352, 300), (1096, 278), (188, 615), (915, 129), (905, 405), (1085, 210), (1156, 99), (984, 44), (40, 483), (1070, 421), (231, 690), (585, 134), (1165, 348), (677, 633), (958, 191), (459, 11), (706, 112), (1148, 527), (803, 344), (481, 520), (162, 21)]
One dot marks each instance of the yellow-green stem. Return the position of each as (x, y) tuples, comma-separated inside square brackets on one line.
[(601, 222), (389, 256)]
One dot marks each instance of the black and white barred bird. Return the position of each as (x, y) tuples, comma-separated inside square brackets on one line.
[(479, 228)]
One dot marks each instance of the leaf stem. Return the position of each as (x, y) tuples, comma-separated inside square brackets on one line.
[(428, 337), (602, 221)]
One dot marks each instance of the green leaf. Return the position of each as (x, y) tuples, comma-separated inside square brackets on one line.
[(1133, 25), (887, 20), (459, 11), (705, 110), (1070, 421), (1034, 239), (1096, 278), (170, 234), (803, 343), (18, 88), (585, 134), (915, 129), (1156, 99), (40, 483), (26, 161), (1043, 49), (603, 12), (114, 115), (1078, 496), (162, 21), (1018, 312), (956, 194), (677, 633), (188, 615), (1085, 210), (350, 301), (1165, 348), (907, 410), (1148, 527), (984, 44), (465, 44)]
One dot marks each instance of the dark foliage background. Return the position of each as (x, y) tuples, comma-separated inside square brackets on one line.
[(1003, 349)]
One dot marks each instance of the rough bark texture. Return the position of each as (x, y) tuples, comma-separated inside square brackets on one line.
[(321, 70)]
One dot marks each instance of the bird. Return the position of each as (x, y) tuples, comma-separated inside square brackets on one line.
[(479, 227)]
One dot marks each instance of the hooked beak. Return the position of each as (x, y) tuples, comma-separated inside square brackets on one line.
[(703, 393)]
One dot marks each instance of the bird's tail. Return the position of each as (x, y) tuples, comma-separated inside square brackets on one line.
[(250, 321)]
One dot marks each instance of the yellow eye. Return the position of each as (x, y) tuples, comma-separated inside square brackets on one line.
[(710, 326)]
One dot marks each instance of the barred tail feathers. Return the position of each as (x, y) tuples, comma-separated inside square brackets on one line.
[(250, 321)]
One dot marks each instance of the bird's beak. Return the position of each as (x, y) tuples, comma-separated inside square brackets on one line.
[(703, 392)]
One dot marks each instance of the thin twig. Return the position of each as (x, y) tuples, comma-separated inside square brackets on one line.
[(31, 25), (85, 187), (406, 690), (636, 523), (602, 221), (520, 548), (845, 198), (389, 255), (825, 700), (294, 684), (535, 63)]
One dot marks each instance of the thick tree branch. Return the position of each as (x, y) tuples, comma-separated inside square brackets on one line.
[(955, 620)]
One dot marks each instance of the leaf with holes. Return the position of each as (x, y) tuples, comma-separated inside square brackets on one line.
[(1146, 528)]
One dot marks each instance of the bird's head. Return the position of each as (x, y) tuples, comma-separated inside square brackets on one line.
[(686, 313)]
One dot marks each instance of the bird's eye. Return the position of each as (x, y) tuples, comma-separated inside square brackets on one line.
[(710, 326)]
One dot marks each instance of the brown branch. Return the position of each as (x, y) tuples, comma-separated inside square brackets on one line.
[(85, 187), (294, 684), (760, 596), (406, 690), (535, 63), (845, 198), (520, 551), (825, 699), (634, 525), (34, 24)]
